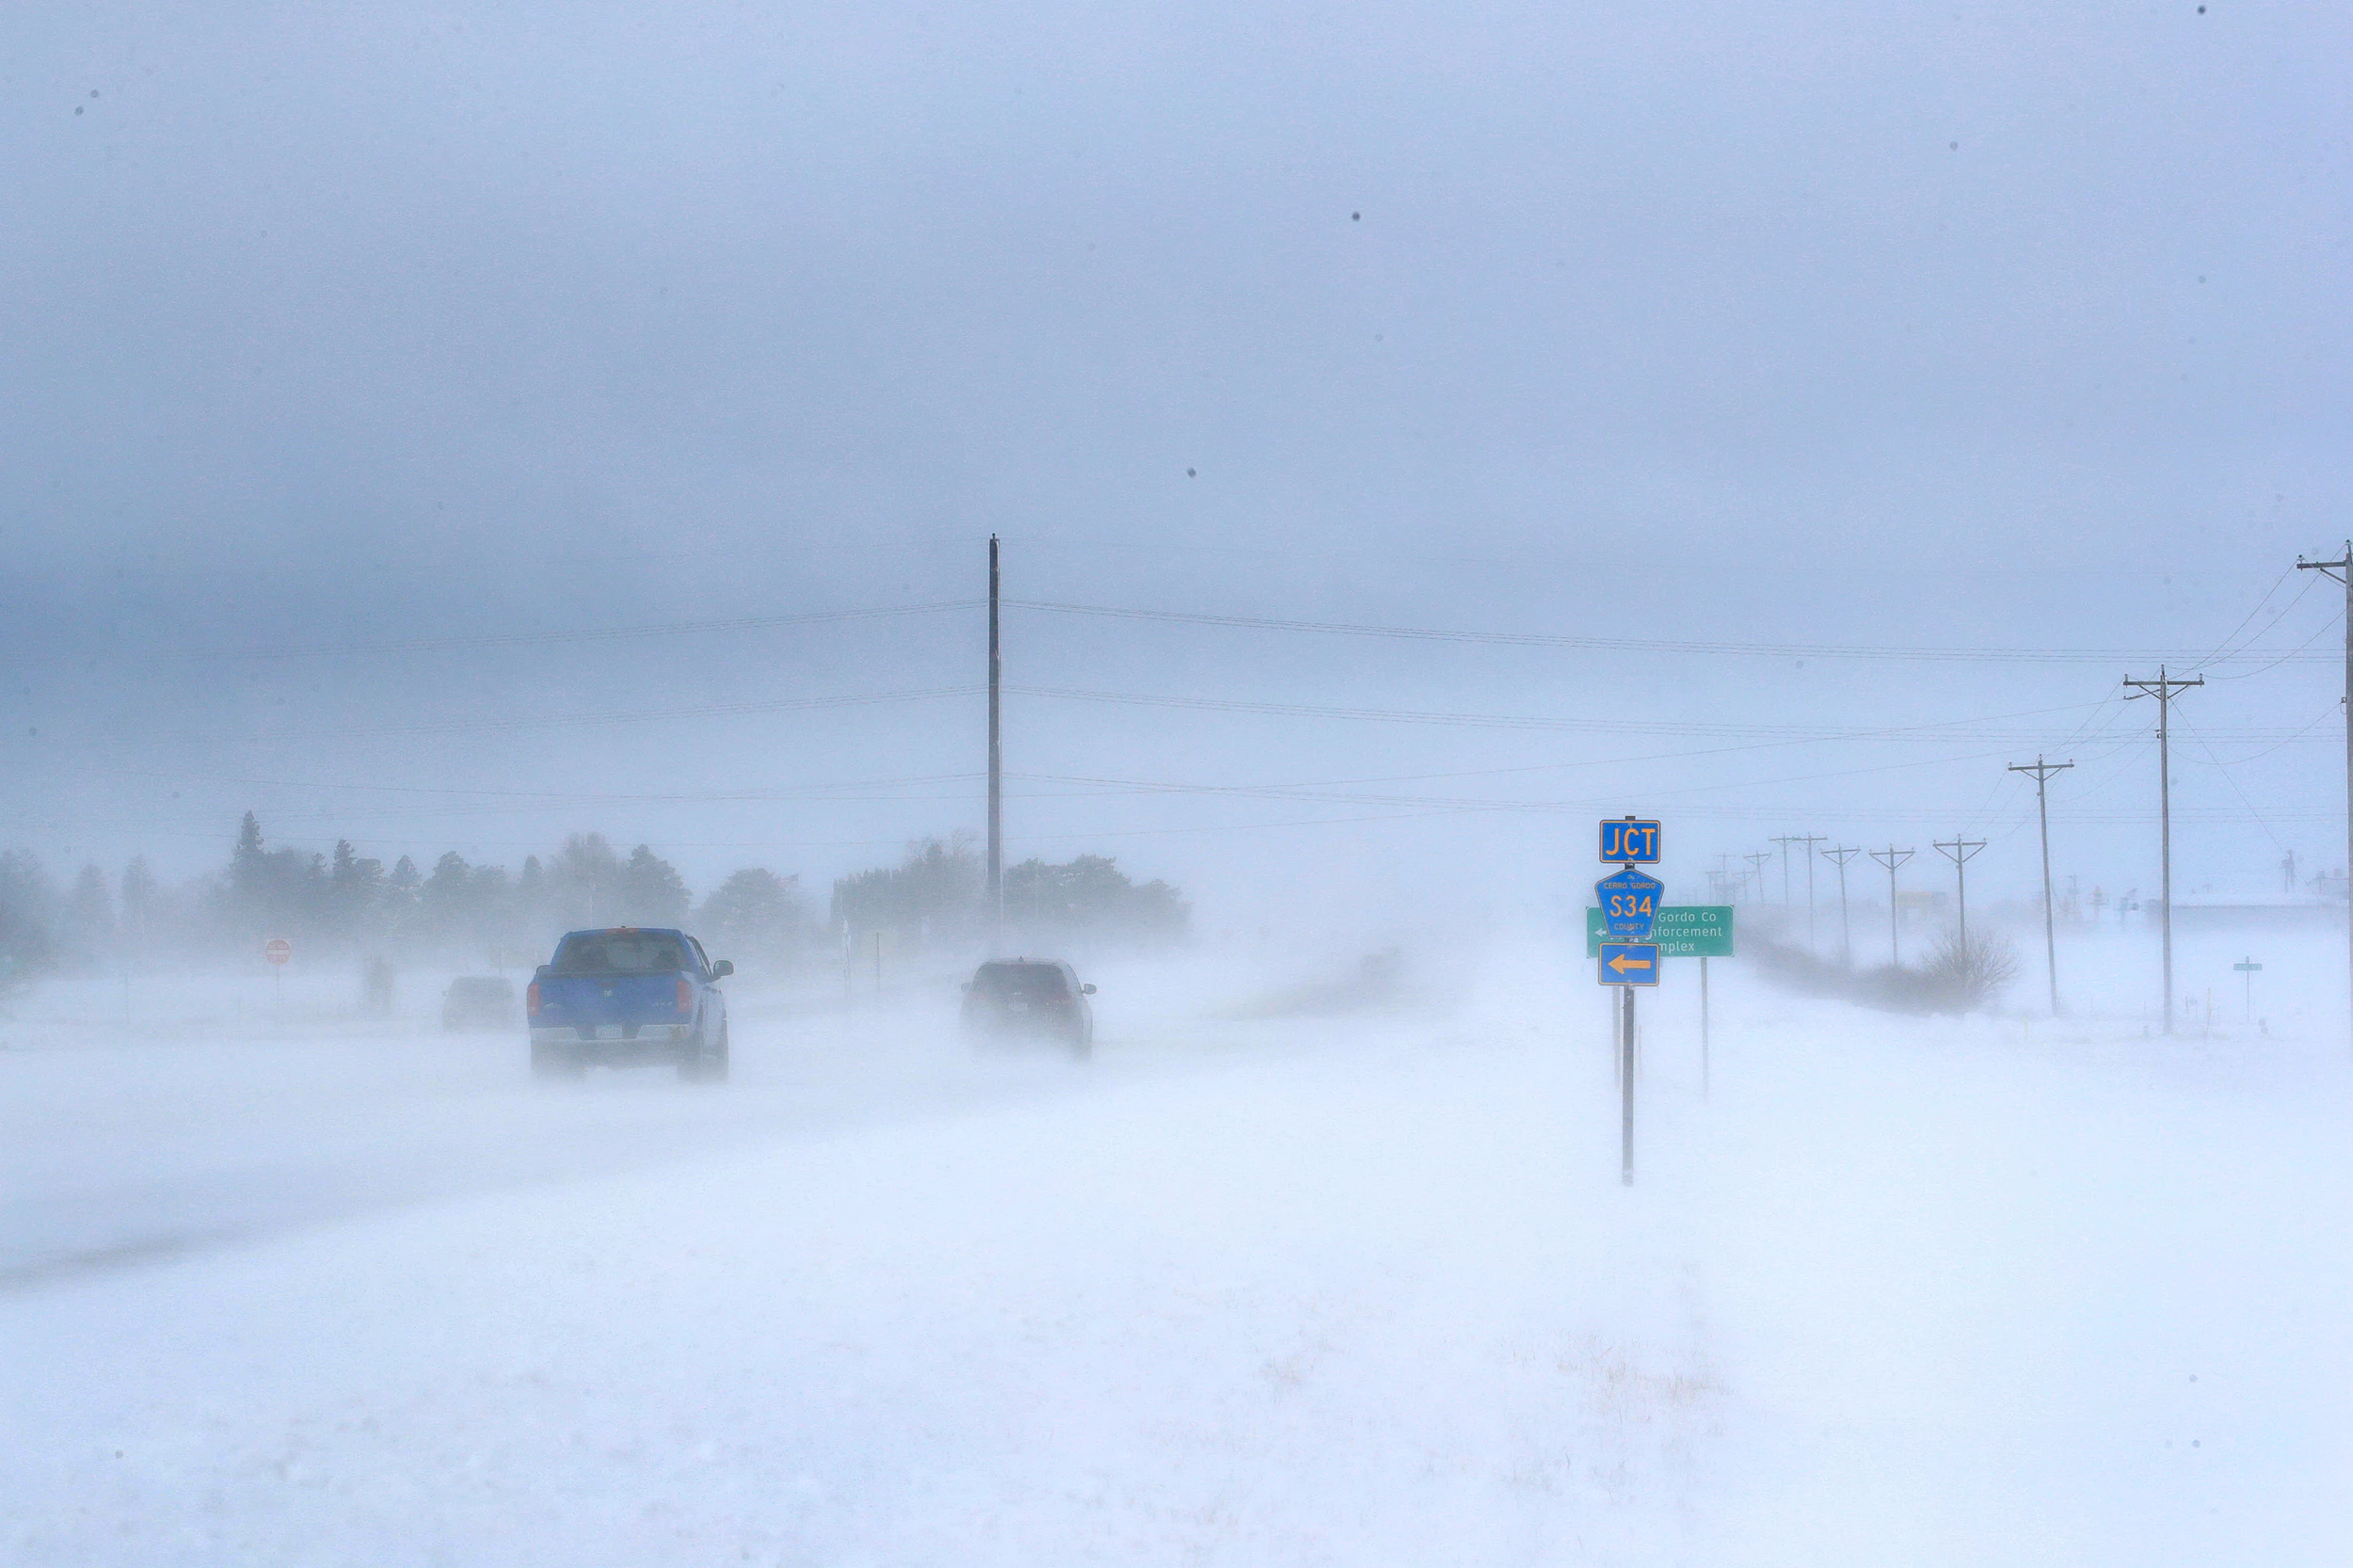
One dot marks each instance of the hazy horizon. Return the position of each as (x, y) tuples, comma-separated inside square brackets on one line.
[(1819, 328)]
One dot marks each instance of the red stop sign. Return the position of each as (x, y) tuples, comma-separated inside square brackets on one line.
[(278, 950)]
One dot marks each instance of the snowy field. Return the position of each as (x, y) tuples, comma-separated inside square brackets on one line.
[(283, 1285)]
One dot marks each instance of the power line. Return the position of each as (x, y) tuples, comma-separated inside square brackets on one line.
[(525, 639), (556, 721), (1616, 645), (2249, 619), (1797, 733)]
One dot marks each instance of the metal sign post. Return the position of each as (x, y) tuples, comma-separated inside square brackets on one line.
[(1626, 965), (1627, 910), (2248, 969), (1704, 1072), (1701, 931), (1625, 1085), (277, 951)]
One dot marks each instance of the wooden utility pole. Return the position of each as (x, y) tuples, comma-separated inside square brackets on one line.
[(1785, 841), (1846, 927), (996, 885), (2163, 688), (2342, 571), (2042, 772), (1891, 858), (1809, 840), (1960, 851)]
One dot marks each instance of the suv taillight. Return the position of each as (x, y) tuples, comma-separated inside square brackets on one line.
[(531, 999), (685, 995)]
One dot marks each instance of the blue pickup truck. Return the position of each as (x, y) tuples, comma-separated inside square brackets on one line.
[(627, 997)]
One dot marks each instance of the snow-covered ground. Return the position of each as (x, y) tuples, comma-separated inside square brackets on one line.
[(1346, 1289)]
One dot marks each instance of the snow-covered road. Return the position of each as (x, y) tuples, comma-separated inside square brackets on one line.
[(1333, 1292), (128, 1146)]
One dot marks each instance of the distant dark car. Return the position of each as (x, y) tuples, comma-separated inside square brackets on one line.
[(624, 998), (479, 1001), (1040, 998)]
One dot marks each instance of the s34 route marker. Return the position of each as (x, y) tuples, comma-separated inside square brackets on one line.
[(1631, 841), (1629, 903)]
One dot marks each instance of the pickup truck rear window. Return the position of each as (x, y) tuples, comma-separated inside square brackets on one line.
[(1021, 981), (620, 953)]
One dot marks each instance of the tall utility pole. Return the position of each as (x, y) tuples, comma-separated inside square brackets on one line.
[(1845, 928), (1756, 870), (996, 887), (1785, 841), (1959, 851), (2342, 571), (2042, 772), (2163, 688), (1891, 858), (1809, 840)]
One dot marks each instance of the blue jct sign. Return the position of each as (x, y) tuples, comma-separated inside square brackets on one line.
[(1629, 903), (1629, 841)]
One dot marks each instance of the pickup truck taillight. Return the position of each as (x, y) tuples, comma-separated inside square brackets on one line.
[(685, 995), (531, 999)]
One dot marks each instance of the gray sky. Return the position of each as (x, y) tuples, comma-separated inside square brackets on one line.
[(2004, 328)]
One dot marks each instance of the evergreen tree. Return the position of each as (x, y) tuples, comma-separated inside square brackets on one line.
[(273, 892), (90, 913), (139, 903), (399, 901), (27, 920), (446, 903), (584, 883), (248, 864), (532, 917), (933, 893), (1090, 900), (491, 910), (754, 911), (652, 892), (355, 892)]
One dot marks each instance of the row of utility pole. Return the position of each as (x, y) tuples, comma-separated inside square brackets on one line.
[(2165, 687), (1959, 849)]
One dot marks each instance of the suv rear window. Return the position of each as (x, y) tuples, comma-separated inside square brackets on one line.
[(620, 953), (1022, 981)]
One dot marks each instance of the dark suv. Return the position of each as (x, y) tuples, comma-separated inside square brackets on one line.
[(1036, 997)]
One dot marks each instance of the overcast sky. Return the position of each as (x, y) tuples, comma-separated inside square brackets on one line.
[(330, 331)]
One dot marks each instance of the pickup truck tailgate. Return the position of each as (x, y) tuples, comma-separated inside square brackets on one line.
[(589, 1000)]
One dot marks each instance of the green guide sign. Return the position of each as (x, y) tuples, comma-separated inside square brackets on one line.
[(1681, 931)]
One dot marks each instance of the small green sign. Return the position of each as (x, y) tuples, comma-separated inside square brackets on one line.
[(2243, 969), (1681, 931)]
